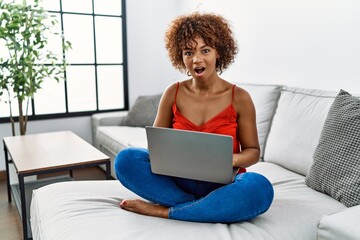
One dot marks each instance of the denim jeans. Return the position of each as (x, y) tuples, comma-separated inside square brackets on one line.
[(249, 195)]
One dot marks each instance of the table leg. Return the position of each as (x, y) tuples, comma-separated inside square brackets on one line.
[(108, 170), (7, 173), (23, 205)]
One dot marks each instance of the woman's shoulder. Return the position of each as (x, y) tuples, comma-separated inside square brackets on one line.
[(174, 87), (242, 99), (240, 94), (171, 90)]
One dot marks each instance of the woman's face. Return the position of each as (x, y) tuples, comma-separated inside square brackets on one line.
[(201, 60)]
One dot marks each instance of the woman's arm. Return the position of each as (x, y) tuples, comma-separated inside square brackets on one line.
[(247, 131), (164, 113)]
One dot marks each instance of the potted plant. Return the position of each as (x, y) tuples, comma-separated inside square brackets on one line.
[(24, 30)]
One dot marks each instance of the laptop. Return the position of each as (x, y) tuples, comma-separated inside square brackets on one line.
[(189, 154)]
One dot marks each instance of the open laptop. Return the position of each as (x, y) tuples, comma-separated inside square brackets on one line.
[(190, 154)]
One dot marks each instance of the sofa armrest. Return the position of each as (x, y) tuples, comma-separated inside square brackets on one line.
[(340, 225), (106, 119)]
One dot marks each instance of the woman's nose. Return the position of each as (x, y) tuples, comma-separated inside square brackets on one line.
[(197, 58)]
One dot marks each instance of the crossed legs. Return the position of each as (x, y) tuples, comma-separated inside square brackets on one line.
[(247, 197)]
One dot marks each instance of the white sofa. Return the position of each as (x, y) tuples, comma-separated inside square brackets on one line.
[(290, 122)]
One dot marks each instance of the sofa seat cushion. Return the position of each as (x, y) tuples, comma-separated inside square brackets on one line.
[(296, 209), (71, 210), (116, 138), (296, 127)]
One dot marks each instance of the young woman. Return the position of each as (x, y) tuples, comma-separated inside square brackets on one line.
[(203, 46)]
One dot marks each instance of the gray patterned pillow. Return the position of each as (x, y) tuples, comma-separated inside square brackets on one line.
[(336, 167), (143, 112)]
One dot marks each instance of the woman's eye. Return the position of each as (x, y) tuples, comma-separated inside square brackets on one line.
[(206, 50), (187, 53)]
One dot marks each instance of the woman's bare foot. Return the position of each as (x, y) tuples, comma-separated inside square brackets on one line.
[(145, 208)]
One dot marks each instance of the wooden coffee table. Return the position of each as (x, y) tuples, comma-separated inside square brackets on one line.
[(42, 153)]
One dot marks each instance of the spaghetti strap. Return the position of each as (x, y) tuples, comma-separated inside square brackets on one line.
[(233, 93), (177, 89)]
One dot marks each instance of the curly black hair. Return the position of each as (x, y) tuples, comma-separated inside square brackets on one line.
[(212, 28)]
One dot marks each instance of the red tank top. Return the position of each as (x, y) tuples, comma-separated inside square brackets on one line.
[(223, 123)]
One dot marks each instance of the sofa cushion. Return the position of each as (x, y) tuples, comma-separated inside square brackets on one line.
[(340, 225), (90, 210), (265, 99), (296, 208), (116, 138), (143, 112), (296, 127), (336, 167)]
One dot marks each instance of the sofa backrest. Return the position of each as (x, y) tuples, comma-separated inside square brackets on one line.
[(296, 127), (265, 98)]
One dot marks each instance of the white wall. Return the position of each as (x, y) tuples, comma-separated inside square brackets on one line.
[(150, 70), (304, 43)]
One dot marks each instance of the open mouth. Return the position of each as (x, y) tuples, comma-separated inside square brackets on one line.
[(199, 70)]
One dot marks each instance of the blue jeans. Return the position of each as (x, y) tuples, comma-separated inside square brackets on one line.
[(248, 196)]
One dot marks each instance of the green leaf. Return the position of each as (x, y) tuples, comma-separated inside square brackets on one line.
[(24, 31)]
